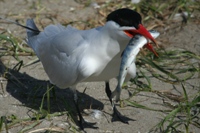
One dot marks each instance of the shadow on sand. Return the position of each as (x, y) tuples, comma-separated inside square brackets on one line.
[(30, 91)]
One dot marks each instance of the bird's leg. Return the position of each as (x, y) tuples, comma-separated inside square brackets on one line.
[(115, 111), (81, 119)]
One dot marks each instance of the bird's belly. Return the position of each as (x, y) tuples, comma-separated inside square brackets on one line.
[(111, 70)]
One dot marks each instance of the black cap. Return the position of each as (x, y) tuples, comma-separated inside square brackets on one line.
[(125, 17)]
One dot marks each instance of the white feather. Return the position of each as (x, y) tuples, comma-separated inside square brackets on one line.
[(70, 56)]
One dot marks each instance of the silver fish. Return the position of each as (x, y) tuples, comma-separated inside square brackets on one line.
[(128, 57)]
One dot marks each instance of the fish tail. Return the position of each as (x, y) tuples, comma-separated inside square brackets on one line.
[(116, 93)]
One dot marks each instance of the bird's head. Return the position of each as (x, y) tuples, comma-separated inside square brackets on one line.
[(129, 22)]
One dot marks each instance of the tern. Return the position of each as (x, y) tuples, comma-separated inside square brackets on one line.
[(70, 56)]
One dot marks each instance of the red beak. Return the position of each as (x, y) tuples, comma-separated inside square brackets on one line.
[(150, 48), (143, 31)]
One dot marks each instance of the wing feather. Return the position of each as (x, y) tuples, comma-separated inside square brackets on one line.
[(61, 50)]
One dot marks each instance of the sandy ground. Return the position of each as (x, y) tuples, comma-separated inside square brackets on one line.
[(22, 99)]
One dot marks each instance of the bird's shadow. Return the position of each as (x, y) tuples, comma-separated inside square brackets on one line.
[(31, 92)]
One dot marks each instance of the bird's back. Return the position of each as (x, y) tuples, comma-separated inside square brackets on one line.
[(70, 56), (61, 51)]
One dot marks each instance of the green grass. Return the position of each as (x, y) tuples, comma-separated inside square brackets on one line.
[(176, 66)]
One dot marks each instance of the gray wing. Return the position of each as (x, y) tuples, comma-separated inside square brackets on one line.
[(52, 35), (59, 49)]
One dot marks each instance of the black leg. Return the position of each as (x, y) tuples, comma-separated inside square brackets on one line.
[(78, 110), (108, 92), (115, 111), (81, 120)]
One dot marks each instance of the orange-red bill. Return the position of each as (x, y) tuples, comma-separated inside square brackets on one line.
[(142, 31), (150, 47)]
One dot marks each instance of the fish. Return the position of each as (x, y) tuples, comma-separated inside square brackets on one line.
[(129, 57)]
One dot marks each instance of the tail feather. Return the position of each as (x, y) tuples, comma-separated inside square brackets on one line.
[(32, 30), (31, 27)]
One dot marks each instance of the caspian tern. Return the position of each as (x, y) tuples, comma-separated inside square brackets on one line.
[(70, 56)]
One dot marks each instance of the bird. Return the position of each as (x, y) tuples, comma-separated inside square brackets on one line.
[(70, 56)]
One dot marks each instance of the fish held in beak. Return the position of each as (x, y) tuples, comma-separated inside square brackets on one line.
[(144, 32)]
